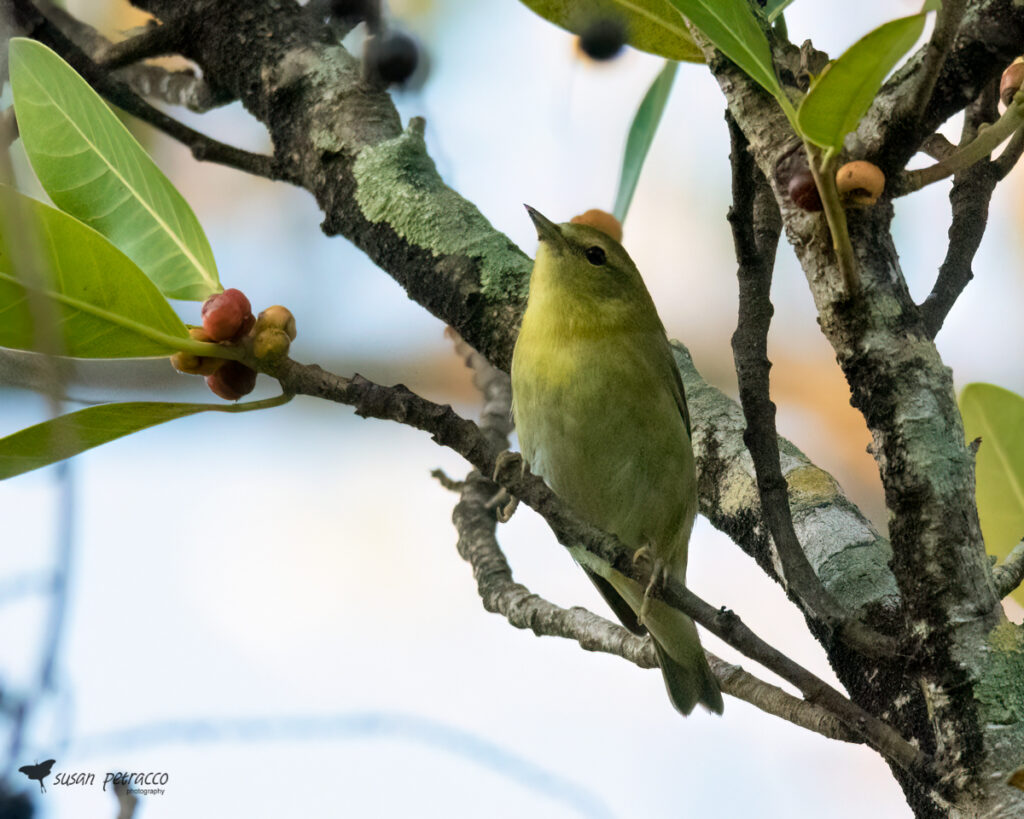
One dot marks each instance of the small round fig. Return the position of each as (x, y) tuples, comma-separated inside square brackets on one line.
[(186, 363), (803, 191), (1012, 80), (794, 174), (270, 343), (860, 183), (278, 317), (232, 381), (602, 220), (603, 39), (226, 314), (392, 56)]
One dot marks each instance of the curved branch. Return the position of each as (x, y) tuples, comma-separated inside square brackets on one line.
[(398, 403)]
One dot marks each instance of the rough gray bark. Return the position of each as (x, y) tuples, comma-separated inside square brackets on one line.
[(956, 686)]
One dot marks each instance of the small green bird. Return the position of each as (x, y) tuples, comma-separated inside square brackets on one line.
[(602, 417)]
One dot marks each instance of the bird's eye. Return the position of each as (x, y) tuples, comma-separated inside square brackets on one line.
[(595, 255)]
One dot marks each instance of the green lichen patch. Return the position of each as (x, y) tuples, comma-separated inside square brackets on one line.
[(1000, 689), (398, 183)]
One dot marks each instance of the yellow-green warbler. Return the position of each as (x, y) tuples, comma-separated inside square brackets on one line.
[(602, 417)]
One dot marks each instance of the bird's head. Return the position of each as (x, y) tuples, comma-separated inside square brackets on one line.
[(593, 270)]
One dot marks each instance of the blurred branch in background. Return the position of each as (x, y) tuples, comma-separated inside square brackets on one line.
[(355, 726)]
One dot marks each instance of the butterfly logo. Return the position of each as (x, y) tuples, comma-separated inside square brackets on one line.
[(39, 771)]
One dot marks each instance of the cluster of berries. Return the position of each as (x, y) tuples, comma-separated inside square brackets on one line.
[(228, 319)]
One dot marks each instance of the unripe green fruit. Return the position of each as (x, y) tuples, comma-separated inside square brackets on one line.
[(186, 363), (232, 381), (278, 317), (270, 343)]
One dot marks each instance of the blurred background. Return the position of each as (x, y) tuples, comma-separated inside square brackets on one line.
[(269, 607)]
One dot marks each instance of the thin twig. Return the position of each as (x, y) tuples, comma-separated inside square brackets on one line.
[(500, 594), (156, 41), (937, 146), (1009, 574), (182, 88), (203, 147), (969, 199), (984, 144), (756, 226), (1007, 160), (398, 403), (947, 23)]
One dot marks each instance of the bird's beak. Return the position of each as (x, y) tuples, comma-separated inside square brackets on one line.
[(547, 231)]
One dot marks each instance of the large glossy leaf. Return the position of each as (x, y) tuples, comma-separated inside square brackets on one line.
[(651, 25), (735, 31), (64, 289), (92, 167), (68, 435), (997, 417), (641, 135), (843, 93)]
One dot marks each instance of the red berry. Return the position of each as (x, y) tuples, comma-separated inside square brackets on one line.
[(803, 191), (232, 381), (226, 314), (1011, 81)]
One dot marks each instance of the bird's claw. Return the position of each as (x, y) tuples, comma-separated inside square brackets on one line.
[(504, 503)]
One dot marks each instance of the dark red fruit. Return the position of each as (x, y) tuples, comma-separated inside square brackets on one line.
[(803, 191), (232, 381), (603, 39), (392, 56), (227, 315), (794, 174), (1011, 81)]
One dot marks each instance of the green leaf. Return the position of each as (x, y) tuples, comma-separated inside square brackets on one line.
[(65, 290), (843, 93), (773, 8), (68, 435), (92, 167), (651, 25), (997, 417), (734, 30), (641, 134)]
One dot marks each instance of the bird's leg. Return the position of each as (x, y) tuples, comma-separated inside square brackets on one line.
[(659, 573), (504, 502)]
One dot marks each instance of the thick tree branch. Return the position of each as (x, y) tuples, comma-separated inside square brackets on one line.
[(906, 395)]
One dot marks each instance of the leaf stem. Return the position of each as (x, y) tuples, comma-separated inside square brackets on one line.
[(988, 140), (823, 170)]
